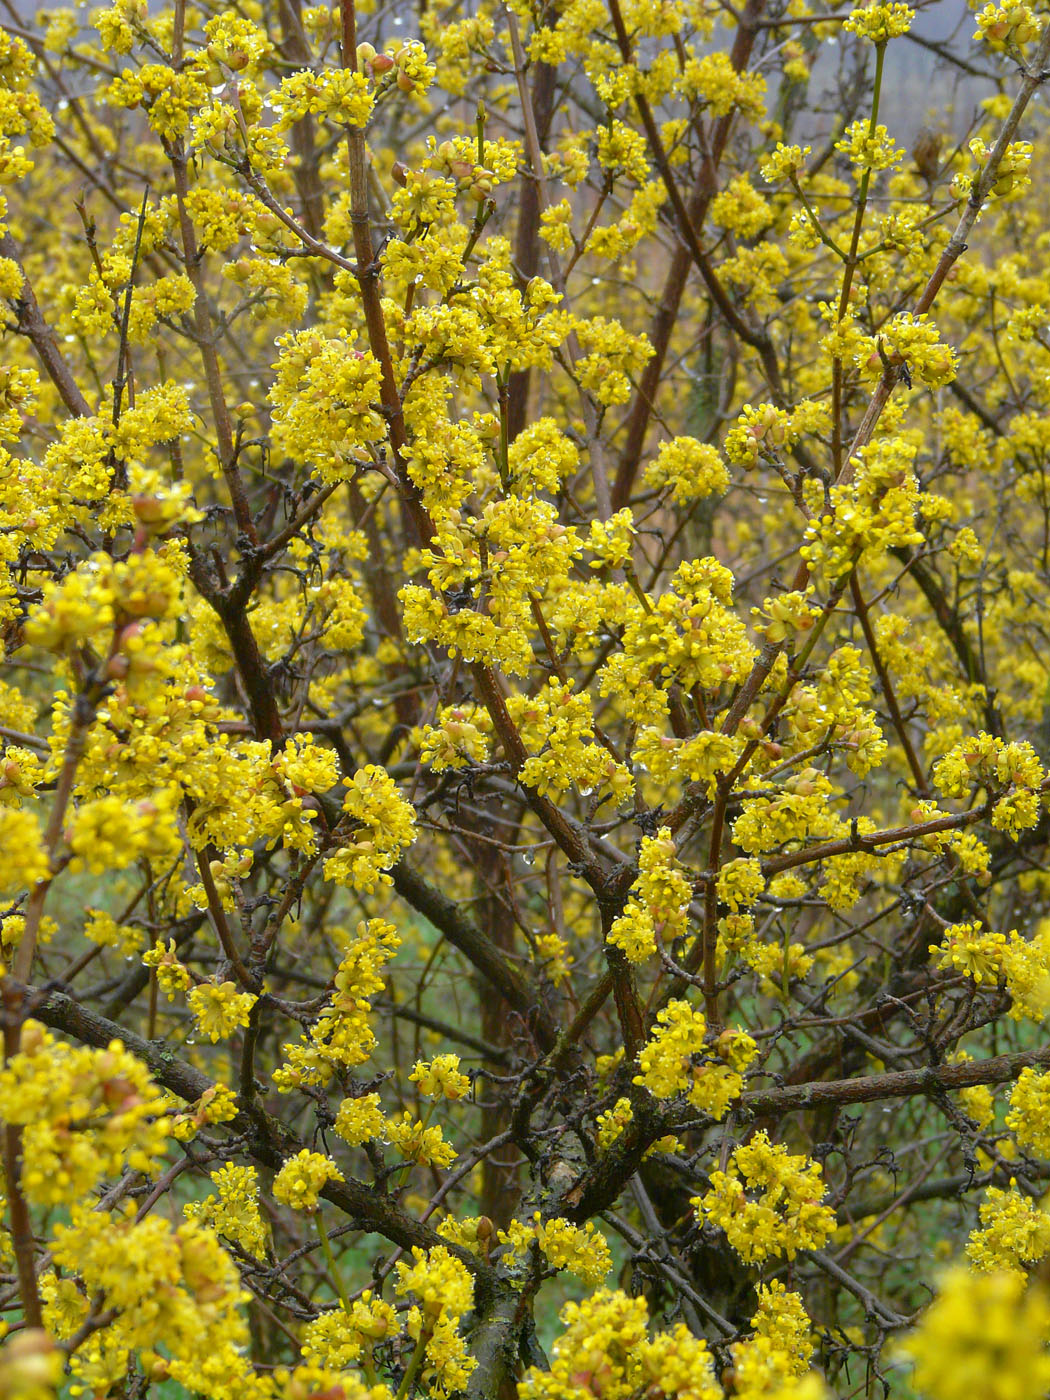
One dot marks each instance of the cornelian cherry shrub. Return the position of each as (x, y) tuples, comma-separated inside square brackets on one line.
[(525, 701)]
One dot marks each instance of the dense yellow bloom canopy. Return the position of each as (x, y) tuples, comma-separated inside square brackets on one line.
[(524, 701)]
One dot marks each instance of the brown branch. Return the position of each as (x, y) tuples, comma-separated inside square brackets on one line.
[(951, 625), (898, 1084), (32, 323), (206, 345), (873, 840), (449, 919), (526, 239), (888, 693), (750, 335), (568, 834), (666, 316), (221, 924), (22, 1240), (368, 273), (266, 1139)]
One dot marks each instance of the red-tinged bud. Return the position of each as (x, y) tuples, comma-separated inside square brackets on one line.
[(117, 667), (34, 1038), (31, 1362), (150, 510), (198, 1271), (382, 63), (405, 83), (400, 173), (120, 1094)]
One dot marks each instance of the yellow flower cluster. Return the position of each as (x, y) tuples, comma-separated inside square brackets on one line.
[(382, 823), (342, 1036), (880, 22), (677, 1059), (657, 911), (869, 515), (233, 1212), (301, 1180), (440, 1078), (692, 470), (85, 1115), (175, 1294), (444, 1292), (605, 1349), (780, 1348), (1016, 1233), (219, 1009), (984, 1333), (425, 1146), (769, 1202)]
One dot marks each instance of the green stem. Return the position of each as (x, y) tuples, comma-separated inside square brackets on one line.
[(852, 262), (862, 188), (368, 1366), (409, 1378), (502, 385), (821, 232), (333, 1267)]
